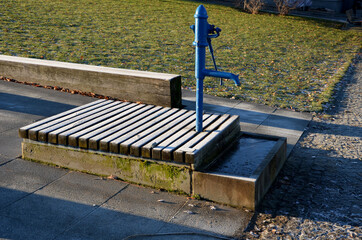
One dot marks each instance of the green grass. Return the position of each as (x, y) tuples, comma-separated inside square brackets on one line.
[(288, 62)]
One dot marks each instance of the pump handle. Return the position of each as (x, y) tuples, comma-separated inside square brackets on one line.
[(213, 31)]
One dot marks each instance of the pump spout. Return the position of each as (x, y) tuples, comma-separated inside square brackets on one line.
[(219, 74)]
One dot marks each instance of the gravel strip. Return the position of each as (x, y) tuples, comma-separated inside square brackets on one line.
[(318, 194)]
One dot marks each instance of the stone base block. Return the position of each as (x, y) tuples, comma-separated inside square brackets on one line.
[(224, 184), (169, 176)]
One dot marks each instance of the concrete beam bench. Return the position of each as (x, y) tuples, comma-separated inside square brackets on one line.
[(135, 86)]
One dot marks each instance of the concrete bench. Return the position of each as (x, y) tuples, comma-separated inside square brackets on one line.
[(135, 86)]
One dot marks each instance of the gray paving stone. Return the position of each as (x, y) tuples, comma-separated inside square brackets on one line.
[(286, 122), (211, 103), (254, 107), (109, 224), (249, 116), (82, 188), (212, 217), (292, 114), (44, 94), (208, 99), (10, 120), (16, 227), (4, 159), (146, 202), (291, 135), (42, 216), (10, 144), (34, 106), (19, 178)]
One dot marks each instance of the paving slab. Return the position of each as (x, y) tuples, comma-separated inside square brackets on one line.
[(212, 217), (10, 120), (30, 105), (109, 224), (291, 135), (146, 202), (56, 97), (83, 188), (251, 116), (4, 159), (44, 217), (19, 178), (10, 144)]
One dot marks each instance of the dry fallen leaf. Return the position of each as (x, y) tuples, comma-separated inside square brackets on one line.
[(112, 177)]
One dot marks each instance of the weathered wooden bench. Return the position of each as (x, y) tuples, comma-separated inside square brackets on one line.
[(147, 144), (135, 86)]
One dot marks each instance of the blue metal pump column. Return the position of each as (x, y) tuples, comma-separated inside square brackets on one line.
[(202, 30)]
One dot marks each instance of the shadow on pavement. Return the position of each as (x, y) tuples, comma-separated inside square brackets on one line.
[(33, 216), (29, 105)]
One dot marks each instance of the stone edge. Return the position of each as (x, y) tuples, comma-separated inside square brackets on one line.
[(157, 174), (242, 191), (136, 86)]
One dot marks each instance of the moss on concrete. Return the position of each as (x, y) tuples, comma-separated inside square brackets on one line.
[(151, 173)]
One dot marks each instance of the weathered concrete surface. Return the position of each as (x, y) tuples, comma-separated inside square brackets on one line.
[(135, 86), (173, 177), (226, 184)]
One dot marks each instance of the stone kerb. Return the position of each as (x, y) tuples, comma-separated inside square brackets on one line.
[(136, 86)]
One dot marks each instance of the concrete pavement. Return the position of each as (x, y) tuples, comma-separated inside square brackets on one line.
[(45, 202)]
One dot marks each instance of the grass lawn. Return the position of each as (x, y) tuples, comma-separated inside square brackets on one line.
[(288, 62)]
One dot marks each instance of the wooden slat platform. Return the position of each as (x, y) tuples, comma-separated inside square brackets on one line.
[(138, 130)]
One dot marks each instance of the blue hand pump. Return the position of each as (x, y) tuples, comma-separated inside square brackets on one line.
[(203, 34)]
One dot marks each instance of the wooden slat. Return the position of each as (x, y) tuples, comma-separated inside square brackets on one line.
[(146, 150), (23, 131), (124, 147), (99, 117), (104, 126), (33, 132), (72, 138), (43, 134), (94, 142), (135, 148), (179, 154), (53, 135), (215, 142), (167, 152), (130, 125), (114, 144), (157, 150)]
